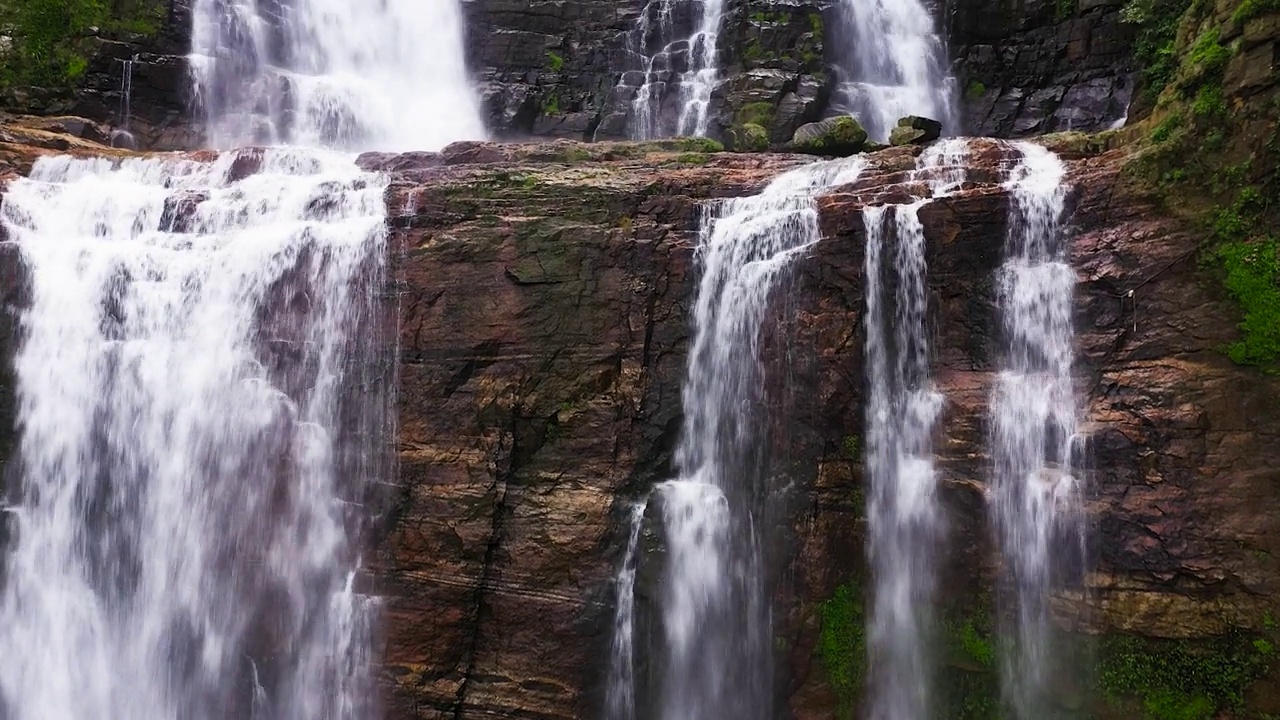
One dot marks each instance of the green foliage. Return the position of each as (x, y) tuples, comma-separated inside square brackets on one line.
[(1207, 57), (1154, 49), (842, 647), (1250, 9), (1065, 8), (1179, 681), (1166, 128), (48, 36), (1253, 280), (554, 61), (975, 90), (551, 104), (1209, 102)]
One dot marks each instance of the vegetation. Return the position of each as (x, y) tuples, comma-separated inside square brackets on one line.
[(842, 647), (48, 38), (1157, 22), (1179, 681), (1210, 150)]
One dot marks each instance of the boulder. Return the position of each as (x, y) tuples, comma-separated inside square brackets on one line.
[(838, 136), (749, 137), (913, 130)]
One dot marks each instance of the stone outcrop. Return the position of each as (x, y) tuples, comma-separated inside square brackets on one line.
[(1042, 65)]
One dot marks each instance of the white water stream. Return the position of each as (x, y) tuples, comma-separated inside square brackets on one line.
[(1036, 497), (896, 66), (903, 404), (687, 65), (202, 408), (715, 616), (389, 75)]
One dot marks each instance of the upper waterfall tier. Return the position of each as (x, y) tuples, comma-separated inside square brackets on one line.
[(333, 73), (897, 65)]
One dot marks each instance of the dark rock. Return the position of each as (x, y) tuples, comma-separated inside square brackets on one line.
[(913, 130)]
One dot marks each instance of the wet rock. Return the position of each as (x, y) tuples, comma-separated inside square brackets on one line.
[(913, 130), (837, 136)]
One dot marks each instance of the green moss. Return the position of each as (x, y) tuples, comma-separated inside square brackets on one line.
[(551, 104), (554, 61), (1209, 102), (975, 90), (750, 137), (1180, 680), (1065, 9), (757, 113), (1166, 128), (1250, 9), (697, 144), (853, 447), (1206, 59), (836, 136), (842, 647)]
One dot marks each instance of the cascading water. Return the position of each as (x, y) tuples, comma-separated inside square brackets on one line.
[(621, 688), (203, 409), (1035, 496), (687, 64), (334, 73), (717, 634), (902, 406), (898, 66)]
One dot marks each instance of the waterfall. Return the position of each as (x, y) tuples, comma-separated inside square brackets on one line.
[(374, 76), (897, 66), (204, 408), (621, 688), (1035, 496), (687, 64), (902, 406), (715, 620)]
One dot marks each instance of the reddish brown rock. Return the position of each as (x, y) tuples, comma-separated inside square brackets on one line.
[(544, 322)]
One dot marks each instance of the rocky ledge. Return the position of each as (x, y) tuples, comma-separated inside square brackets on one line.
[(546, 296), (545, 292)]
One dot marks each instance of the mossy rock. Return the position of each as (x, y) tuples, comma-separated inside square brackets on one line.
[(838, 136), (749, 137), (915, 130)]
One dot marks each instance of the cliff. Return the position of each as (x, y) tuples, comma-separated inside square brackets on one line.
[(545, 316)]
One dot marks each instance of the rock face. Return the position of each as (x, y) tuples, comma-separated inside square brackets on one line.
[(545, 313), (1042, 66), (571, 68)]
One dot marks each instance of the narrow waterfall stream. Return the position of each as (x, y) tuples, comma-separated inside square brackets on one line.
[(896, 66), (715, 612), (334, 73), (685, 64), (1036, 497), (901, 409), (202, 406)]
